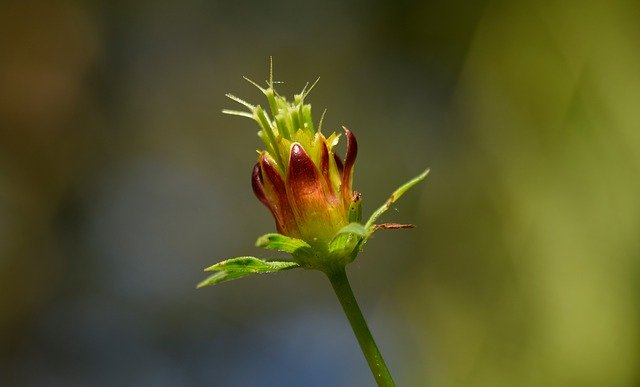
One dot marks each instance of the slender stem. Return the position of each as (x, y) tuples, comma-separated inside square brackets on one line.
[(340, 283)]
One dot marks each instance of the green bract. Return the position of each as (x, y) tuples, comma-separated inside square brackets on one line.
[(307, 188)]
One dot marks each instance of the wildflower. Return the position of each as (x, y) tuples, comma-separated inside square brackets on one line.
[(306, 185), (308, 189)]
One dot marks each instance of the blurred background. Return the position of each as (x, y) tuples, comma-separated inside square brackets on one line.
[(120, 180)]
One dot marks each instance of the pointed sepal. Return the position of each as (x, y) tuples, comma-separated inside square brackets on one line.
[(353, 228), (355, 208), (279, 242)]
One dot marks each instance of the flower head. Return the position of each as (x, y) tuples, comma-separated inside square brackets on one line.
[(299, 177)]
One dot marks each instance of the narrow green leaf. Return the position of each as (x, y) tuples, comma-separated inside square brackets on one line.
[(251, 265), (221, 276), (392, 199), (283, 243), (239, 267)]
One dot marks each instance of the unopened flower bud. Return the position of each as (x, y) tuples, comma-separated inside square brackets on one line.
[(299, 177)]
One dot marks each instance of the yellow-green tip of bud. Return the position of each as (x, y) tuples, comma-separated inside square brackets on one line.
[(299, 177)]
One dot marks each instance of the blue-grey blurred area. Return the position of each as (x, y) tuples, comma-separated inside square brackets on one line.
[(120, 180)]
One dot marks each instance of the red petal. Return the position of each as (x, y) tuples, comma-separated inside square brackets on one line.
[(304, 186), (277, 198), (324, 165), (272, 174), (258, 186), (303, 175), (349, 161)]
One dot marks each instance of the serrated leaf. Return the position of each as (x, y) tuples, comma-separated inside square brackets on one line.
[(239, 267), (283, 243), (251, 265)]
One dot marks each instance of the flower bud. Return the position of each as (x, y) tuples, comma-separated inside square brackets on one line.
[(311, 197), (299, 177)]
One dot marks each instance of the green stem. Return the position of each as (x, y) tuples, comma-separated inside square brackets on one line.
[(340, 283)]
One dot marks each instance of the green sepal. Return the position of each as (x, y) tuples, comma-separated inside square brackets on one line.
[(239, 267), (279, 242), (221, 276), (355, 209), (353, 228), (344, 246)]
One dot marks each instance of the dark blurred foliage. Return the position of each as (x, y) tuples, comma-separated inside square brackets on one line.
[(120, 180)]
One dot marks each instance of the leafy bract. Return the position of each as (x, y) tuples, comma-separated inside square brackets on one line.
[(279, 242), (239, 267)]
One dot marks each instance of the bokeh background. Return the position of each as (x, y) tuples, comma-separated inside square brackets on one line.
[(120, 180)]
